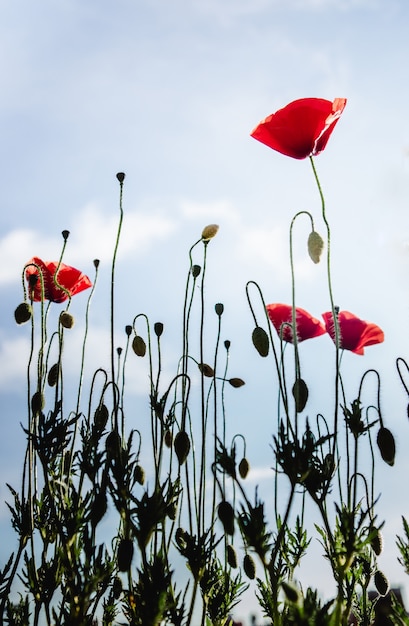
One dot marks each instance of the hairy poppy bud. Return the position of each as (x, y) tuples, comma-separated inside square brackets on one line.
[(381, 583), (168, 438), (139, 346), (139, 474), (300, 393), (125, 554), (231, 556), (249, 566), (386, 445), (260, 341), (209, 232), (182, 446), (98, 508), (101, 416), (236, 382), (22, 313), (66, 320), (244, 467), (113, 444), (37, 402), (376, 540), (117, 587), (206, 370), (53, 375), (315, 246), (291, 591), (180, 537), (225, 512)]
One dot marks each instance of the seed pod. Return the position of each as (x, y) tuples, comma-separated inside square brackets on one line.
[(209, 232), (225, 512), (291, 592), (66, 320), (206, 370), (249, 566), (381, 583), (182, 446), (37, 402), (386, 445), (139, 346), (244, 467), (315, 246), (158, 328), (377, 540), (101, 416), (52, 376), (236, 382), (219, 308), (139, 474), (196, 269), (231, 556), (121, 177), (300, 393), (227, 344), (22, 313), (125, 554), (261, 341)]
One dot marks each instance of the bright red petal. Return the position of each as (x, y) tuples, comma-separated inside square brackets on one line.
[(302, 128), (281, 318), (72, 281), (355, 334)]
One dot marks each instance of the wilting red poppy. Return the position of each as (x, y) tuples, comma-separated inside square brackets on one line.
[(281, 316), (355, 334), (302, 128), (73, 280)]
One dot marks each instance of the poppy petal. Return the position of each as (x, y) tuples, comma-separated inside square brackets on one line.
[(281, 317)]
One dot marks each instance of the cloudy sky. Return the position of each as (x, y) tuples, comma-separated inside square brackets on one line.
[(168, 92)]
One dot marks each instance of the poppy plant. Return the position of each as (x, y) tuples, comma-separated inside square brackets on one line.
[(302, 128), (354, 334), (57, 287), (281, 316)]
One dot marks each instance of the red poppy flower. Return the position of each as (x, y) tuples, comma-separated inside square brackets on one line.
[(73, 280), (281, 316), (355, 334), (302, 128)]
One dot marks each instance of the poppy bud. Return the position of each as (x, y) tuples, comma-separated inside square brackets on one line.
[(125, 554), (300, 393), (244, 467), (206, 370), (219, 308), (139, 474), (376, 541), (113, 444), (22, 313), (121, 177), (66, 320), (236, 382), (98, 508), (168, 438), (386, 445), (37, 402), (139, 346), (180, 537), (196, 269), (53, 375), (171, 511), (117, 587), (182, 446), (381, 583), (101, 416), (209, 232), (291, 591), (315, 246), (231, 556), (260, 341), (249, 566), (158, 328), (225, 512)]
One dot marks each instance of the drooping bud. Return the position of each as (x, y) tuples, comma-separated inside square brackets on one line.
[(386, 445), (125, 554), (101, 416), (206, 370), (209, 232), (315, 246), (291, 592), (139, 346), (98, 508), (37, 402), (53, 375), (381, 583), (66, 320), (300, 393), (168, 438), (225, 512), (22, 313), (376, 540), (261, 341), (249, 566), (182, 446), (236, 382), (244, 467), (139, 474), (231, 556)]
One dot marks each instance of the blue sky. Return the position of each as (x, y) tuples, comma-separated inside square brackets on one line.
[(168, 91)]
